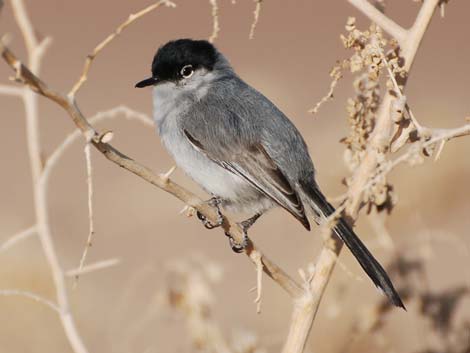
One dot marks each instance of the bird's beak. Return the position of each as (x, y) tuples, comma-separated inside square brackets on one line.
[(147, 82)]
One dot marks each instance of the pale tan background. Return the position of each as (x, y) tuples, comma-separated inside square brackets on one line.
[(295, 45)]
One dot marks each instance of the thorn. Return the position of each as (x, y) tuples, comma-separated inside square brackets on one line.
[(252, 289), (302, 274), (169, 4), (439, 150), (17, 67), (166, 176), (311, 271), (106, 137), (188, 211), (256, 257)]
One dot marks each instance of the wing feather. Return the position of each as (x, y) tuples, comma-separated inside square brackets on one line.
[(256, 166)]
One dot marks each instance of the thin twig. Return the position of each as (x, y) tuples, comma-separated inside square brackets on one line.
[(384, 22), (337, 74), (14, 239), (443, 135), (89, 60), (100, 265), (256, 257), (256, 13), (36, 51), (11, 91), (54, 158), (112, 113), (30, 295), (399, 93), (215, 20), (26, 27), (91, 230)]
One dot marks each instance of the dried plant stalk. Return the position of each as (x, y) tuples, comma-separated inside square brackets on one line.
[(36, 50)]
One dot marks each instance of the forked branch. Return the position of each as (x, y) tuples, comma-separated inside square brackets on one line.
[(303, 317)]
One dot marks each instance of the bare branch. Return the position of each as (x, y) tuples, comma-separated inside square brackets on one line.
[(440, 135), (26, 27), (336, 74), (100, 265), (389, 26), (30, 295), (380, 137), (256, 257), (89, 60), (306, 304), (91, 230), (11, 91), (58, 153), (256, 13), (215, 21), (14, 239), (378, 142), (77, 134), (36, 51)]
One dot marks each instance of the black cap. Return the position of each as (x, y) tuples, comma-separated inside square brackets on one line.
[(174, 55)]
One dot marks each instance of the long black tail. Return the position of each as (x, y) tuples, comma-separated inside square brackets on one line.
[(371, 266)]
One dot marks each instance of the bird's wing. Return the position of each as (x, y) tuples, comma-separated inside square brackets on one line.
[(253, 163)]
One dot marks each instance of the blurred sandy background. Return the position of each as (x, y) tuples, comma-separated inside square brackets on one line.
[(295, 45)]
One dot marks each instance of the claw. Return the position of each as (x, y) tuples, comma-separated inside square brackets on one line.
[(208, 224), (236, 247), (246, 224), (213, 202)]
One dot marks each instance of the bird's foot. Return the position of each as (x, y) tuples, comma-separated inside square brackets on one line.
[(245, 225), (236, 246), (213, 202)]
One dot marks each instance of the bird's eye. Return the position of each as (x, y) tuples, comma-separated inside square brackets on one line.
[(187, 71)]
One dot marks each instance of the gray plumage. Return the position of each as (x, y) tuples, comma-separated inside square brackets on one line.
[(238, 145)]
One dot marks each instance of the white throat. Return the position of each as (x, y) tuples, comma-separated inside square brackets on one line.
[(172, 98)]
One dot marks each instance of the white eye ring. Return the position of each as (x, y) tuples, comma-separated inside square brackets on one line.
[(187, 71)]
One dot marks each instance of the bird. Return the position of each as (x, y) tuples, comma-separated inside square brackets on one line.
[(239, 147)]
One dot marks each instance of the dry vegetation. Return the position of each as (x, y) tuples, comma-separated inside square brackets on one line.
[(383, 133)]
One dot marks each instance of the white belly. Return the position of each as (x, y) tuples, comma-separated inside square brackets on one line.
[(237, 194), (210, 176)]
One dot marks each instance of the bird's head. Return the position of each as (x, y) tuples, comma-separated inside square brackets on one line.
[(183, 62)]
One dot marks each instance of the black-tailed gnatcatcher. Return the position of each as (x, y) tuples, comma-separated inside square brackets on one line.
[(238, 145)]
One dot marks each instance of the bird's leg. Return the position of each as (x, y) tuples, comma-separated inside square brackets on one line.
[(245, 225), (213, 202)]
